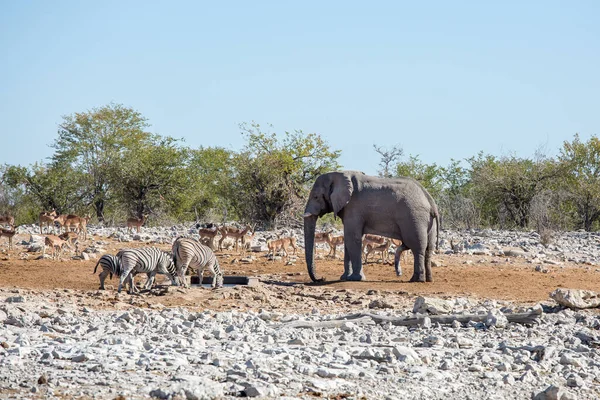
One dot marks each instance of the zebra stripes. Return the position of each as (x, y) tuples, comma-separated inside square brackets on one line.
[(149, 260), (189, 252), (111, 265)]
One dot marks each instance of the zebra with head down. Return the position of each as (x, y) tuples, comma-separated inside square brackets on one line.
[(191, 253), (111, 265), (148, 260)]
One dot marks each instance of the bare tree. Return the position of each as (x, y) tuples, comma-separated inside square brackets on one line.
[(388, 158)]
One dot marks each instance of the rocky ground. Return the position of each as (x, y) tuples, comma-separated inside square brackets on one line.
[(60, 337)]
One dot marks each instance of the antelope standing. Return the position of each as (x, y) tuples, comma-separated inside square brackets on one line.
[(375, 240), (80, 224), (209, 235), (7, 219), (382, 248), (281, 244), (334, 242), (47, 218), (61, 220), (71, 238), (56, 244), (323, 237), (9, 234), (247, 240), (136, 222), (235, 233)]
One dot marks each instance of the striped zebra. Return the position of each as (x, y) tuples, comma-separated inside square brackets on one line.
[(148, 260), (189, 252), (111, 265)]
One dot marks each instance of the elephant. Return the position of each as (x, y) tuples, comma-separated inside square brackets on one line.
[(398, 208)]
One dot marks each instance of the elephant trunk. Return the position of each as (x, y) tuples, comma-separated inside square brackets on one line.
[(310, 223)]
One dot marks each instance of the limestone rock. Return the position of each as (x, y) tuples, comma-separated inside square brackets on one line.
[(553, 393), (431, 305), (576, 298)]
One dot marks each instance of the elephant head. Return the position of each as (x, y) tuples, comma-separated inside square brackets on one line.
[(330, 193)]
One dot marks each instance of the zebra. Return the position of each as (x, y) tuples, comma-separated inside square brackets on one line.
[(149, 260), (111, 265), (188, 252)]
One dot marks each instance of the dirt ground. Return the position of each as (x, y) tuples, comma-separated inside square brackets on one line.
[(477, 276)]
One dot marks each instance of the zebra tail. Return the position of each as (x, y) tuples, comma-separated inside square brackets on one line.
[(96, 267)]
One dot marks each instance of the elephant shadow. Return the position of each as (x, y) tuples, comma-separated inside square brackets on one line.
[(337, 281)]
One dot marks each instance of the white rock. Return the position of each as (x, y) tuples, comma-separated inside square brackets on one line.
[(406, 354), (496, 318), (552, 393), (431, 305), (576, 298)]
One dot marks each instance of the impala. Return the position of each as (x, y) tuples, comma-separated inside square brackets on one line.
[(208, 235), (374, 240), (7, 219), (136, 223), (382, 248), (48, 219), (235, 233), (56, 244), (334, 242), (80, 224), (9, 234), (281, 244)]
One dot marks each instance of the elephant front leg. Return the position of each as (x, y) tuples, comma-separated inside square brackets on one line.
[(353, 247), (347, 267)]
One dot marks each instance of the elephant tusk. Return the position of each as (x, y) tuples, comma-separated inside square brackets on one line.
[(307, 214)]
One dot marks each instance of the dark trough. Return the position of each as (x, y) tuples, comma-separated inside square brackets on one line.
[(228, 281)]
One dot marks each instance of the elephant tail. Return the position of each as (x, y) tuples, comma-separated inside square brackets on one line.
[(438, 221), (437, 235)]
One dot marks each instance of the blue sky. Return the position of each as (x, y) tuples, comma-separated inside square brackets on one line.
[(441, 79)]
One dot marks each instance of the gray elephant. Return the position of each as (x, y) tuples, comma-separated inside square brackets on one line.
[(398, 208)]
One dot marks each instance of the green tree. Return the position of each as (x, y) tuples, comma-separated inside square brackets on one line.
[(55, 186), (507, 185), (455, 202), (429, 175), (581, 164), (210, 170), (94, 142), (272, 175), (154, 178)]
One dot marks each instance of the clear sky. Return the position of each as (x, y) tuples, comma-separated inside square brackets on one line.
[(441, 79)]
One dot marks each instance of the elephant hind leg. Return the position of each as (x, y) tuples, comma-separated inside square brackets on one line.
[(419, 273), (432, 243), (428, 274)]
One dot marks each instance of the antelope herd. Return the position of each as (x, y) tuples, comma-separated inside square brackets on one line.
[(73, 227)]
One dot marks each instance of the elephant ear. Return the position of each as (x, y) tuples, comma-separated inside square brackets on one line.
[(341, 190)]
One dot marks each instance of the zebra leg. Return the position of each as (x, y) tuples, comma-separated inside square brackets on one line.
[(103, 276), (201, 276), (182, 269), (150, 281), (133, 289), (125, 275), (217, 275)]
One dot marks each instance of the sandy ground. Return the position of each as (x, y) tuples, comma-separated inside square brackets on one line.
[(476, 276)]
